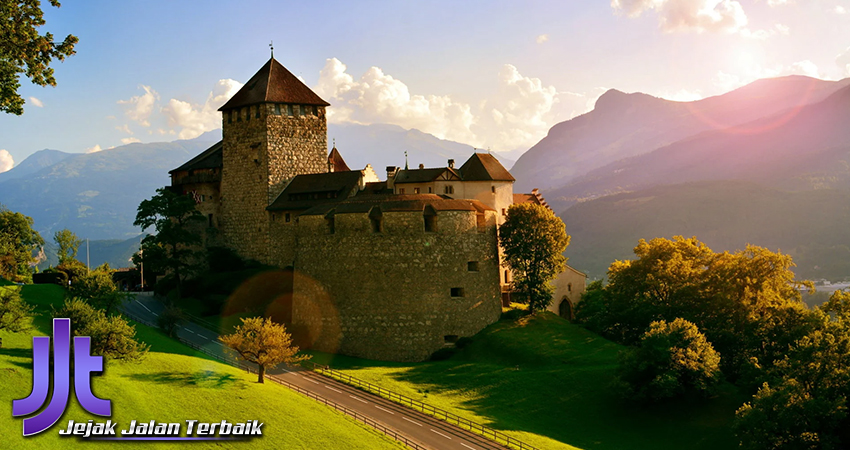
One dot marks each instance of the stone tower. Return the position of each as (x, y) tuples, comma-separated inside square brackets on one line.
[(274, 128)]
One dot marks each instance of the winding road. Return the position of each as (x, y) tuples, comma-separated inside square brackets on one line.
[(420, 428)]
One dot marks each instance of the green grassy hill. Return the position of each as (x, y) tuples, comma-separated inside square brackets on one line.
[(175, 383), (551, 379), (811, 226)]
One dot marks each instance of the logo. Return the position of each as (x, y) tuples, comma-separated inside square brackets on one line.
[(84, 365)]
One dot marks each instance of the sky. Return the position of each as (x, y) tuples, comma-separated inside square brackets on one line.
[(493, 74)]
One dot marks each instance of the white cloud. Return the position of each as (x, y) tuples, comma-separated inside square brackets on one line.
[(6, 161), (36, 102), (139, 107), (779, 2), (94, 149), (125, 128), (130, 140), (840, 9), (542, 38), (843, 61), (517, 115), (682, 95), (688, 15), (194, 119)]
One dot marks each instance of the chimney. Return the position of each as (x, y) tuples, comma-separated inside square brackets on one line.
[(421, 166), (451, 164), (391, 172)]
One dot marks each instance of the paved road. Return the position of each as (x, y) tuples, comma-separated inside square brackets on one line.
[(426, 430)]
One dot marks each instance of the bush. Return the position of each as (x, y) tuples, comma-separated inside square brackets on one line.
[(111, 336), (463, 342), (97, 287), (443, 354), (73, 269), (673, 359), (15, 314)]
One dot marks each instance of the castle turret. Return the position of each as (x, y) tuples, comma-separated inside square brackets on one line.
[(274, 128)]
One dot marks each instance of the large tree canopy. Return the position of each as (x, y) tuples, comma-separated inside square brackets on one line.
[(534, 239), (17, 242), (24, 51), (177, 223)]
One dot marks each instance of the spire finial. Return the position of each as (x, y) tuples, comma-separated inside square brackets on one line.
[(271, 46), (334, 142), (405, 161)]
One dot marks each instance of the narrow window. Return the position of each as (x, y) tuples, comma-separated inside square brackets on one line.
[(493, 189), (472, 266), (457, 292), (504, 212), (210, 220), (289, 110), (507, 278), (449, 189), (287, 217), (569, 287), (331, 224), (401, 191), (415, 190), (238, 115), (229, 117), (257, 114), (376, 218), (248, 113), (277, 109), (481, 222), (429, 190), (430, 217)]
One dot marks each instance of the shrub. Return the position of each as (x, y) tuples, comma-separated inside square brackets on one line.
[(15, 314), (59, 278), (111, 336), (673, 359), (97, 287), (443, 354)]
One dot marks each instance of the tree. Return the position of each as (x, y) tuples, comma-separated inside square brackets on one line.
[(111, 336), (170, 319), (24, 51), (177, 223), (673, 359), (68, 243), (14, 312), (98, 288), (264, 343), (533, 239), (17, 242)]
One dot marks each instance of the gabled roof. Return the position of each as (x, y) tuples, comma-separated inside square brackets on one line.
[(423, 175), (273, 84), (340, 184), (484, 167), (336, 162), (208, 159), (534, 197)]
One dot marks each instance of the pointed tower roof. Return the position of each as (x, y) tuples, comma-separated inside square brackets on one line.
[(273, 84), (336, 162), (484, 167)]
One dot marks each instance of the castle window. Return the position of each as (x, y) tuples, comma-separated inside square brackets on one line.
[(569, 287), (493, 189), (472, 266), (504, 212), (277, 109), (248, 113), (238, 115), (401, 190), (331, 224), (287, 217), (449, 189), (429, 190), (415, 190), (507, 277), (257, 113), (289, 111), (430, 216), (457, 292), (229, 116), (376, 218), (481, 222), (210, 220)]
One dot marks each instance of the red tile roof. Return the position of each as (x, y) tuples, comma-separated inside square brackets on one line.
[(273, 84)]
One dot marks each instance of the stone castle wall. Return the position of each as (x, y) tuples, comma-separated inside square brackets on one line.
[(260, 155), (389, 295)]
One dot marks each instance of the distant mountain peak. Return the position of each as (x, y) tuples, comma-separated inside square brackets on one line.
[(615, 99)]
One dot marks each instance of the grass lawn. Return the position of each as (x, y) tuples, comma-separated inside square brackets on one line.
[(172, 384), (551, 379)]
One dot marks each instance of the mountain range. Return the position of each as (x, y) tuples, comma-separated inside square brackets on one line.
[(774, 172)]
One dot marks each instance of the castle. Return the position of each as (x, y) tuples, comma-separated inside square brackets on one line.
[(391, 269)]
